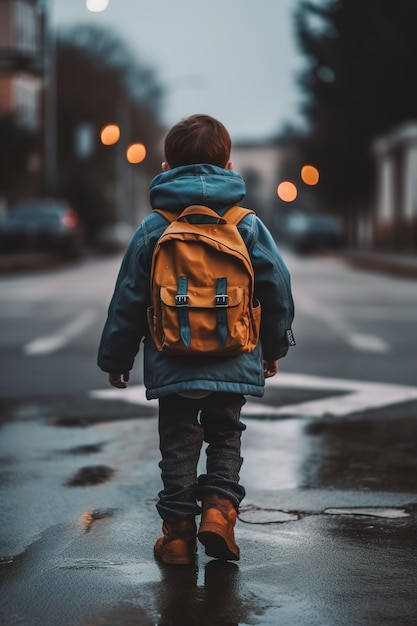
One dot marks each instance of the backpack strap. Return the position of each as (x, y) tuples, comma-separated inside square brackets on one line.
[(168, 215), (235, 214), (221, 306), (232, 216), (181, 302), (193, 209), (200, 209)]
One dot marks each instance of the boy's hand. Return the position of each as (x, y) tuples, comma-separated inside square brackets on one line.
[(119, 380), (270, 368)]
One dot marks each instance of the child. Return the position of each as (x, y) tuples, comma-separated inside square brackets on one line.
[(200, 398)]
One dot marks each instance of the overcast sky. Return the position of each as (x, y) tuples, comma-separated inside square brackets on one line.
[(234, 59)]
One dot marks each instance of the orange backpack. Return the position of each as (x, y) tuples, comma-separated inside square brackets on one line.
[(202, 286)]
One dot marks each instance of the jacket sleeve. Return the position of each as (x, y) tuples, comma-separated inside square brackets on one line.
[(126, 320), (273, 290)]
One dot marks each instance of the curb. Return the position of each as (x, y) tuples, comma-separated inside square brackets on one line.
[(396, 266)]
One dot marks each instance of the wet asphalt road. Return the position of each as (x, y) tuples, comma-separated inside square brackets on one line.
[(328, 528), (327, 533)]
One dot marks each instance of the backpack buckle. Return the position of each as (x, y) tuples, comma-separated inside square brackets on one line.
[(222, 300), (181, 300)]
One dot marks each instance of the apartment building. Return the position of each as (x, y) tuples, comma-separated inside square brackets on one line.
[(394, 220), (21, 60)]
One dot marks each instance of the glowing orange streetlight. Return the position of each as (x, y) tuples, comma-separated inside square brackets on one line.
[(310, 175), (110, 134), (287, 191), (136, 153)]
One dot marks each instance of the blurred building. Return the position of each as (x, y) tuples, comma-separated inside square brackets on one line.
[(21, 61), (259, 163), (394, 223), (263, 166)]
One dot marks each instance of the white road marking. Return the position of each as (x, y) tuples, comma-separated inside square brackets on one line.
[(134, 394), (367, 343), (52, 343), (369, 511), (358, 397), (362, 342)]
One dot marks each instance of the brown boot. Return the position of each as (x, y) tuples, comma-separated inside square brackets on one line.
[(178, 544), (216, 529)]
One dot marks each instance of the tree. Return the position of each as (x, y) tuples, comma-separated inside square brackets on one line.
[(359, 83), (97, 75), (17, 146)]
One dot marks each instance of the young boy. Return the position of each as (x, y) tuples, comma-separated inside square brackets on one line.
[(200, 398)]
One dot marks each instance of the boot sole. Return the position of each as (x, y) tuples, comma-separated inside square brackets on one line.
[(217, 546)]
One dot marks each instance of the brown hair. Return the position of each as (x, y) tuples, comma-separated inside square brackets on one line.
[(198, 139)]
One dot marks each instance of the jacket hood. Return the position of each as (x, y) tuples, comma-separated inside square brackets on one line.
[(196, 184)]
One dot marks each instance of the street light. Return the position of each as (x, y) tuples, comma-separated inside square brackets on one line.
[(49, 79), (310, 175), (287, 191), (95, 6), (110, 134), (134, 153), (46, 8)]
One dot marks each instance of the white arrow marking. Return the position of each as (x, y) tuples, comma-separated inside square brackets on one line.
[(359, 397)]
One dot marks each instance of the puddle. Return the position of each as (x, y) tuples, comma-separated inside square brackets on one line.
[(92, 448), (92, 475)]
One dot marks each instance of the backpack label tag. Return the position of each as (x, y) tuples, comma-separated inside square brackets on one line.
[(290, 337)]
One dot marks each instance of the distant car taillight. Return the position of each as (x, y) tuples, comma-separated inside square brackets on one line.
[(70, 219)]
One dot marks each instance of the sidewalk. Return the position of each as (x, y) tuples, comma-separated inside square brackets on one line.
[(28, 262), (396, 264)]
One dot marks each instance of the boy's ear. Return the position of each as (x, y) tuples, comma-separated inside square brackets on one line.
[(229, 165), (165, 166)]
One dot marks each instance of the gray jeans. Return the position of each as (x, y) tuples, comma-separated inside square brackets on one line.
[(184, 424)]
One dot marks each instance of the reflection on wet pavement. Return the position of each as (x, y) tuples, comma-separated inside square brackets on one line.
[(89, 517), (180, 599), (363, 453)]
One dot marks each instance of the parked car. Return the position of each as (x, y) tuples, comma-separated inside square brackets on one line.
[(114, 237), (49, 224), (313, 231)]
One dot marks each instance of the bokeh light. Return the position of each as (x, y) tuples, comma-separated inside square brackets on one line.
[(97, 5), (110, 134), (136, 153), (310, 175), (287, 191)]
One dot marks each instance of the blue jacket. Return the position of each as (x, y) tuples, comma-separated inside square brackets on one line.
[(126, 323)]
